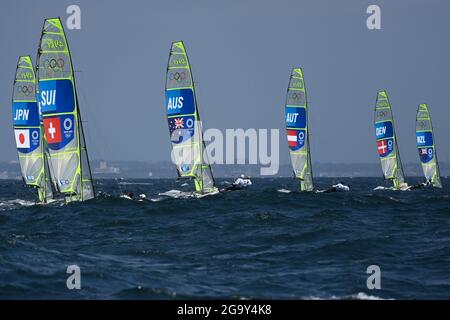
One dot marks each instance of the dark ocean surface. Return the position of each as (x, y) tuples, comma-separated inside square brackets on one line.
[(254, 243)]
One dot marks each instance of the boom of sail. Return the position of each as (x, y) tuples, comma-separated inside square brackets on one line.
[(387, 142), (297, 130), (183, 118), (68, 158), (28, 131), (426, 146)]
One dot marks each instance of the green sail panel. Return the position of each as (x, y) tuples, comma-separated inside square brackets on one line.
[(426, 146), (184, 123), (386, 141), (297, 129), (68, 158), (28, 131)]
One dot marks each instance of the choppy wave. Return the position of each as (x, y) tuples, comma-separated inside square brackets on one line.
[(256, 243)]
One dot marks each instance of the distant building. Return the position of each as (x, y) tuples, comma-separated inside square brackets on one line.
[(104, 169)]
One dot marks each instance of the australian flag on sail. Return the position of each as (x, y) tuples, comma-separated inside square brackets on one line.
[(385, 147), (181, 128), (296, 139), (426, 154)]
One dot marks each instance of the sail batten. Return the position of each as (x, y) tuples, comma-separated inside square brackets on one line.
[(184, 123), (297, 129), (386, 141), (426, 146), (64, 134), (28, 131)]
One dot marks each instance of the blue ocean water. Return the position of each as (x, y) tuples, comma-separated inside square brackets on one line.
[(255, 243)]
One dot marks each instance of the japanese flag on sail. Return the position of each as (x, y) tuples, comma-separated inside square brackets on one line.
[(22, 138)]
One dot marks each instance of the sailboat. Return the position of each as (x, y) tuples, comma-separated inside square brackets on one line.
[(185, 127), (426, 146), (297, 130), (387, 142), (28, 131), (68, 157)]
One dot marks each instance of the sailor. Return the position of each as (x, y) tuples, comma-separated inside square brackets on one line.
[(337, 188), (420, 185), (242, 182), (129, 195)]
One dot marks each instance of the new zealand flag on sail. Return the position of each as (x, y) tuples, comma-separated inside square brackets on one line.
[(426, 154), (181, 128)]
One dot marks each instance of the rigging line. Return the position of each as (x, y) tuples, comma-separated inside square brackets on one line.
[(100, 148), (90, 114)]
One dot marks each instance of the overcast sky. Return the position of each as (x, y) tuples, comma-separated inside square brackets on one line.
[(241, 53)]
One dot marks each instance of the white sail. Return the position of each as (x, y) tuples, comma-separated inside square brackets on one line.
[(68, 158), (426, 146), (184, 122), (28, 131), (297, 129)]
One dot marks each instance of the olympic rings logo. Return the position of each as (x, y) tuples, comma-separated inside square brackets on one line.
[(54, 64), (296, 96), (382, 113), (178, 76), (26, 90)]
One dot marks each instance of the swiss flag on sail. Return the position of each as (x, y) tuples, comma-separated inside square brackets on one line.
[(53, 130)]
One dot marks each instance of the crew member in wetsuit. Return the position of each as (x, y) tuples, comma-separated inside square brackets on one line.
[(337, 187)]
